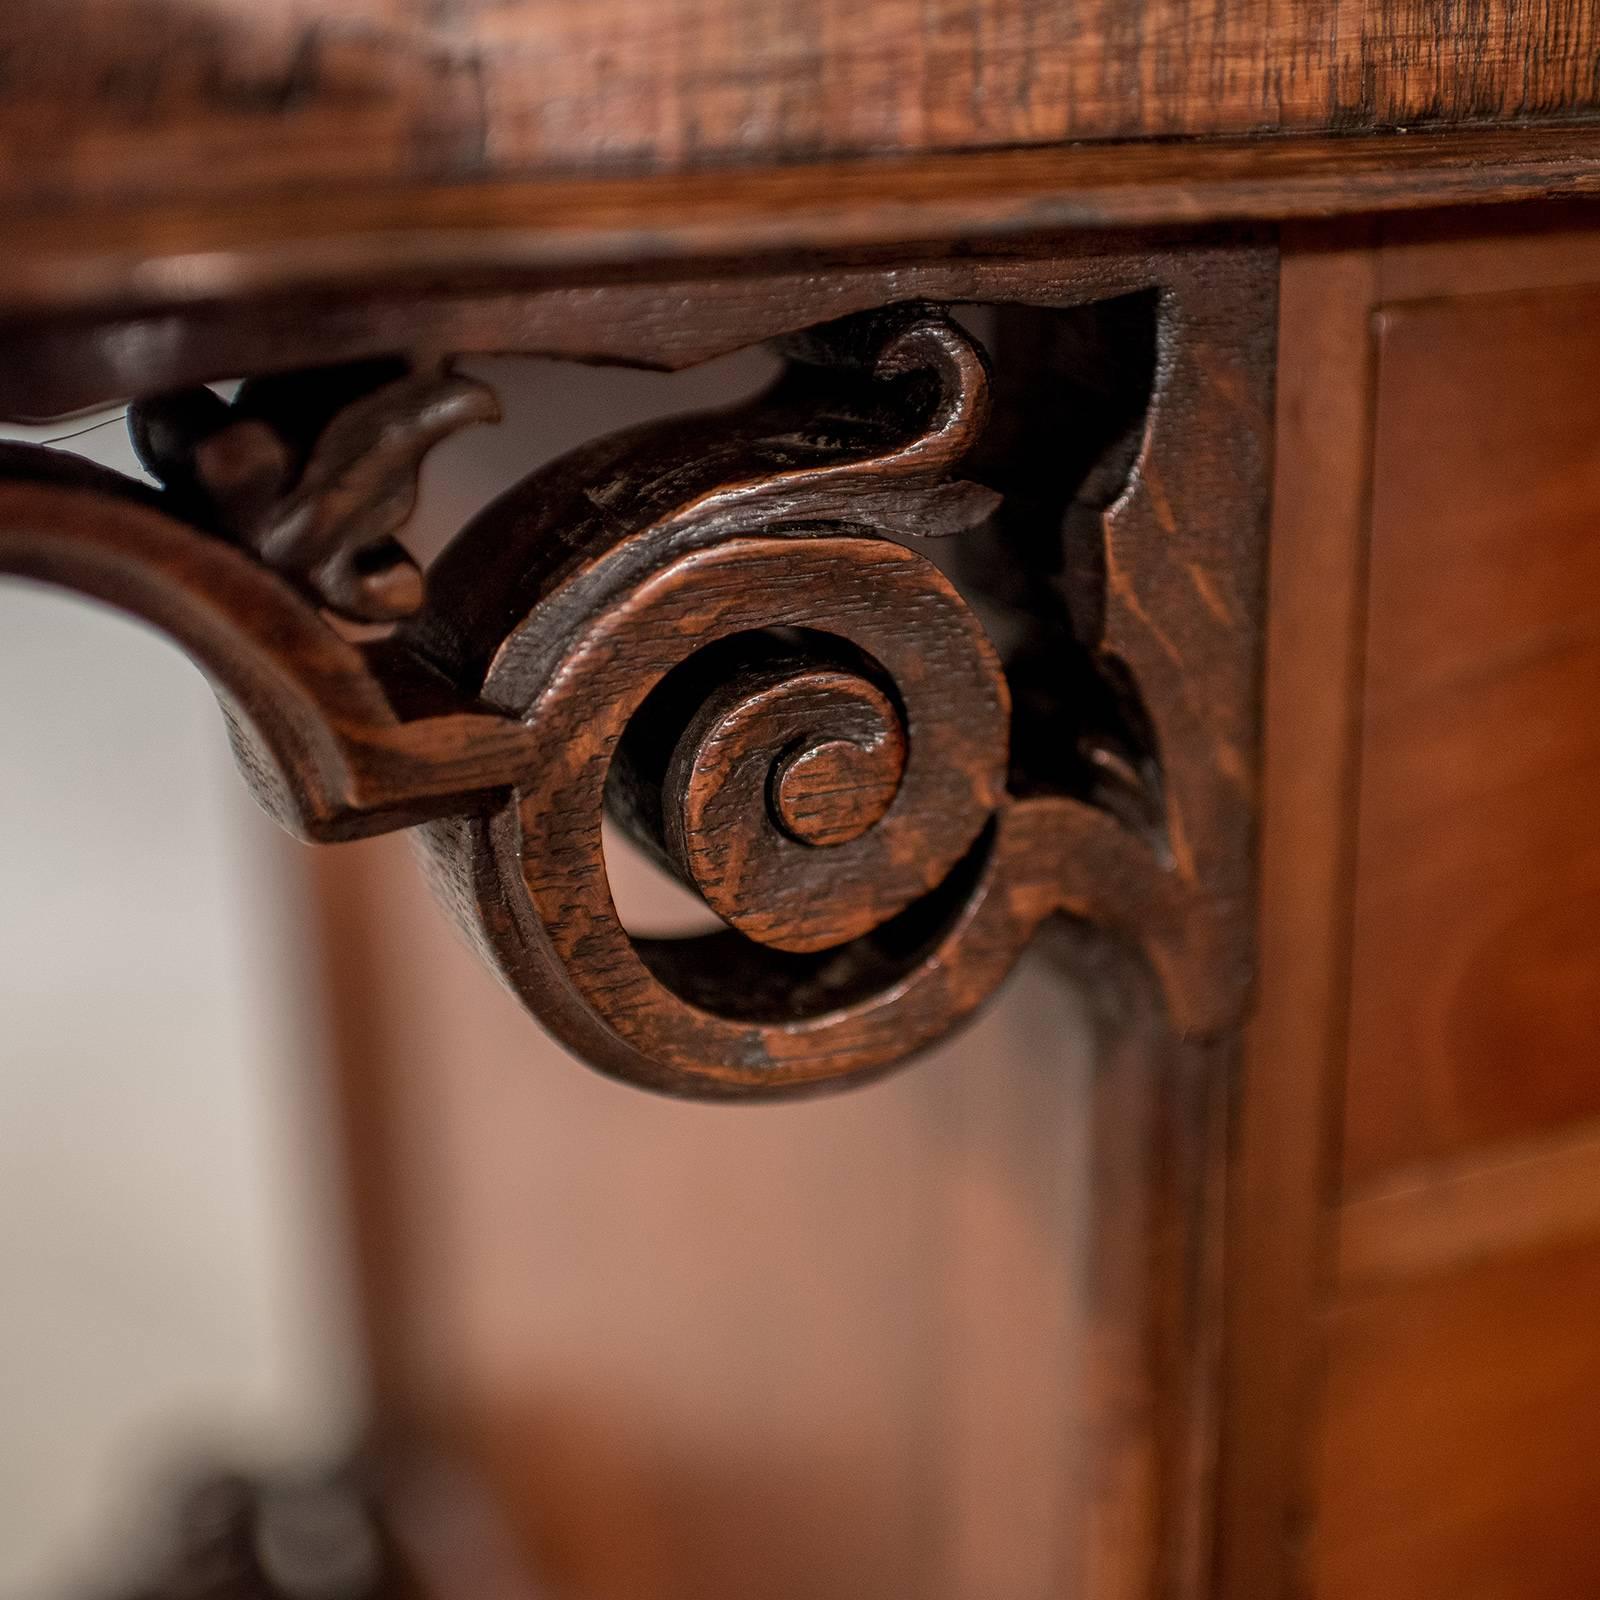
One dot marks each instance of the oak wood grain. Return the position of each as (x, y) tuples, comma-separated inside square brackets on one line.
[(955, 1335), (212, 97)]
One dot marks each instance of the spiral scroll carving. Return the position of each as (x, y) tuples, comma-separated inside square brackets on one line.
[(796, 713), (725, 632)]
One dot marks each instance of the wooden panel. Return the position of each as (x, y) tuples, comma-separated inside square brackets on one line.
[(1409, 1408), (1475, 1010), (1497, 251), (1461, 1459), (1460, 1440), (183, 96)]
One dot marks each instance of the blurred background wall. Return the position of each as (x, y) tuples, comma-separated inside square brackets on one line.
[(171, 1273)]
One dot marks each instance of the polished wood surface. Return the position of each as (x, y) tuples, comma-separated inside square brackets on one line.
[(1527, 1195), (1408, 1410), (1460, 1449), (658, 624), (143, 250), (958, 1333), (172, 97), (1474, 1009), (979, 1331), (1410, 1405)]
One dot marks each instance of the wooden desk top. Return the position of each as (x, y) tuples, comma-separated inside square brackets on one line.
[(188, 97), (166, 151)]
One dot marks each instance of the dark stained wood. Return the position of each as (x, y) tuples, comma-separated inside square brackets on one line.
[(831, 793), (153, 252), (668, 620), (59, 365), (165, 98), (1062, 1446), (580, 599), (316, 732), (315, 474), (719, 602), (680, 1343), (885, 773), (1475, 1011), (1160, 1140)]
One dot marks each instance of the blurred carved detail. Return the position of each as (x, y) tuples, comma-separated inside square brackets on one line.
[(722, 630), (383, 1525), (309, 1539), (314, 472), (335, 742)]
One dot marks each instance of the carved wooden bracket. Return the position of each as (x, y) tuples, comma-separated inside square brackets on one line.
[(723, 631)]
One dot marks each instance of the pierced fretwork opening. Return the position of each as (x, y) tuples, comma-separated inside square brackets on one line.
[(1071, 393)]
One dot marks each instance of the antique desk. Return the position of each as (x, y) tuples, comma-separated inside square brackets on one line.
[(1172, 537)]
